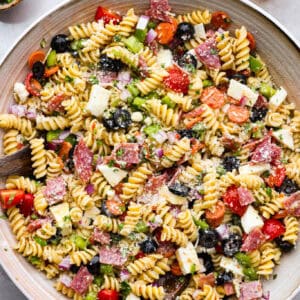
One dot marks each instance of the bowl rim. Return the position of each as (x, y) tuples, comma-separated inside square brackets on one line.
[(65, 3)]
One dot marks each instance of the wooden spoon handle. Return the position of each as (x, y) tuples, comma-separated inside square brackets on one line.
[(18, 163)]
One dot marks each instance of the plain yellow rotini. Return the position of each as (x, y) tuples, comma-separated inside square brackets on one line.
[(168, 116), (38, 157), (207, 293), (24, 126), (22, 183), (108, 224), (121, 53), (132, 217), (176, 152), (143, 264), (11, 143), (196, 17), (128, 23), (174, 235), (84, 30), (40, 202), (110, 283), (51, 123), (139, 288), (272, 207), (291, 229), (82, 257), (184, 102), (225, 49), (17, 223), (186, 223), (135, 183), (74, 114), (241, 49), (46, 231)]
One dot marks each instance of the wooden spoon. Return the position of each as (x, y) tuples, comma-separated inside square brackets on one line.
[(9, 5), (18, 163)]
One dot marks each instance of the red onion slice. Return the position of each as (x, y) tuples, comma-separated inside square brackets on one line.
[(151, 35), (160, 136), (90, 189), (65, 264), (63, 135)]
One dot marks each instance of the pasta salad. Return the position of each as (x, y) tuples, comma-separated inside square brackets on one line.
[(165, 159)]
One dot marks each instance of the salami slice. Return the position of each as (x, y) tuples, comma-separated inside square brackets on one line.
[(112, 256), (208, 54), (100, 237), (82, 280), (158, 10), (251, 290), (55, 190), (254, 240), (292, 204), (245, 196), (127, 152), (83, 158)]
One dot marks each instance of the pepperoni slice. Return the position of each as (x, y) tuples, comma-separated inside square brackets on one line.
[(220, 19), (213, 97), (251, 40), (238, 114), (214, 217)]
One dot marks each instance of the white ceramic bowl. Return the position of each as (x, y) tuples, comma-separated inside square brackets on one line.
[(276, 47)]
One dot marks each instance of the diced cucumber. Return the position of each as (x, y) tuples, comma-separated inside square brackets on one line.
[(77, 44), (133, 44), (140, 34), (168, 101), (133, 90), (207, 83), (255, 64), (51, 59), (152, 129), (53, 135), (80, 242), (266, 90), (138, 102)]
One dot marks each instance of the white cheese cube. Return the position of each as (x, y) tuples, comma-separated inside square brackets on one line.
[(188, 260), (200, 31), (256, 169), (165, 58), (277, 99), (112, 175), (251, 219), (98, 100), (21, 92), (170, 197), (285, 137), (231, 265), (61, 215), (132, 297), (238, 90), (137, 116)]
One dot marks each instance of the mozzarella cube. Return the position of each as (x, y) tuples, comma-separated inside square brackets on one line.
[(165, 58), (188, 260), (256, 169), (251, 219), (112, 175), (98, 100), (238, 90), (61, 214), (285, 137), (170, 197), (200, 31), (21, 92), (137, 116), (277, 99), (132, 297), (231, 265)]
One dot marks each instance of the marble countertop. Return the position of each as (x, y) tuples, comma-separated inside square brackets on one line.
[(15, 21)]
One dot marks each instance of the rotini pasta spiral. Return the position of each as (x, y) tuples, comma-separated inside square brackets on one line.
[(38, 157), (17, 223), (131, 219), (51, 123), (196, 17), (84, 30), (74, 114), (82, 257), (175, 153), (225, 45), (24, 126), (291, 229), (168, 116), (143, 264), (127, 25), (22, 183), (10, 141), (185, 221), (174, 235), (147, 291), (135, 182), (159, 269), (108, 224), (241, 49)]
